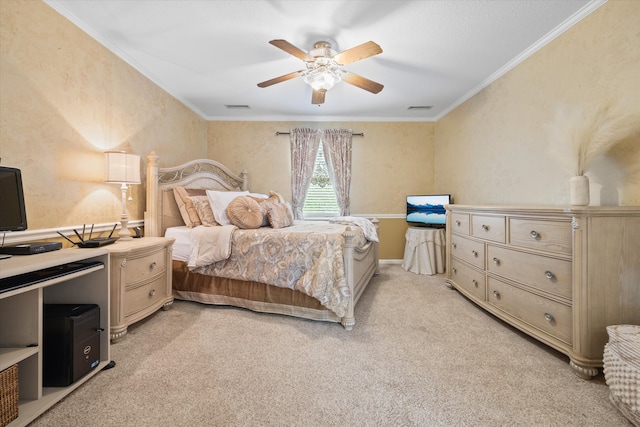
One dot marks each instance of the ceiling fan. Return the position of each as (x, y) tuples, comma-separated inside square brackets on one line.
[(324, 67)]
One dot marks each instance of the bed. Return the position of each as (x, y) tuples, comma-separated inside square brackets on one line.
[(270, 284)]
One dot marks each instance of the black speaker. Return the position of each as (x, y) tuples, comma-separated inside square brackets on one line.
[(71, 338)]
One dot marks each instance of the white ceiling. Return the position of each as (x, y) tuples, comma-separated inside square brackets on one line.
[(212, 53)]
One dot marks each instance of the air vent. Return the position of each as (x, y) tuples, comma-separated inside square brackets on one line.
[(420, 107), (238, 107)]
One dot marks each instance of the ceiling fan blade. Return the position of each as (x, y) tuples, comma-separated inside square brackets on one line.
[(317, 97), (362, 82), (280, 79), (357, 53), (291, 49)]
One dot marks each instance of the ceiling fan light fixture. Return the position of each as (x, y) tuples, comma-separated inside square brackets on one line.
[(322, 78)]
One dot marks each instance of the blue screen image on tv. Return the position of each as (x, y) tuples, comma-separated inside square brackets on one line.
[(428, 209)]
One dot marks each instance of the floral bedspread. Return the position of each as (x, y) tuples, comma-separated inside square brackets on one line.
[(307, 257)]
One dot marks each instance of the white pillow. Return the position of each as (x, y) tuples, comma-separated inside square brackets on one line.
[(219, 200)]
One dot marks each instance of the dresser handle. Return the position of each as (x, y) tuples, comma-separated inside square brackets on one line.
[(458, 222), (548, 317), (153, 265), (535, 234), (549, 275), (496, 261), (152, 292), (496, 294), (454, 246), (475, 283), (485, 227), (474, 253), (455, 271)]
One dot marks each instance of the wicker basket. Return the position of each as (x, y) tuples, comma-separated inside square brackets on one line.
[(8, 395), (622, 369)]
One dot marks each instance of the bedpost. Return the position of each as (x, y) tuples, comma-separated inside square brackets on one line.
[(349, 319), (245, 180), (151, 214), (376, 223)]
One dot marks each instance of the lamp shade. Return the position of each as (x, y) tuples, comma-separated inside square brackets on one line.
[(121, 167)]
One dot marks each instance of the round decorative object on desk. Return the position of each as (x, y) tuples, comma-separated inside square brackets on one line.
[(579, 190)]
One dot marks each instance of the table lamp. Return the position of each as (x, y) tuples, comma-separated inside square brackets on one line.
[(124, 169)]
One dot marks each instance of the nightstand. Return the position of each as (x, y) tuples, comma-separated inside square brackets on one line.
[(140, 281)]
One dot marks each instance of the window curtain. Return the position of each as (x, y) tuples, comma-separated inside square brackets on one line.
[(337, 144), (304, 147)]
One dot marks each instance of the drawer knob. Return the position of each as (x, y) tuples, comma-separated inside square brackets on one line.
[(454, 270), (152, 292), (485, 227), (458, 222), (153, 265), (454, 246), (475, 283), (496, 294), (496, 261), (534, 234), (474, 253), (548, 317), (549, 275)]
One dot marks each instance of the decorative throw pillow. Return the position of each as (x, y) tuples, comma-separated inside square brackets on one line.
[(275, 194), (245, 212), (185, 205), (201, 203), (261, 200), (219, 201), (279, 214)]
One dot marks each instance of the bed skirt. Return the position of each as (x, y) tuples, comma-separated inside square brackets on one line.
[(251, 295)]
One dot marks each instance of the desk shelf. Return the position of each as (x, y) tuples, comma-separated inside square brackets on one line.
[(21, 321)]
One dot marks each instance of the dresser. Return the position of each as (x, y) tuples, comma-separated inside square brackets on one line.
[(140, 281), (559, 274)]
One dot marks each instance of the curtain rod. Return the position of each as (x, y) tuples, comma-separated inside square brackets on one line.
[(288, 133)]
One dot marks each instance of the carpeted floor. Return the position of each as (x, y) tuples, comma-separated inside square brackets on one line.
[(419, 355)]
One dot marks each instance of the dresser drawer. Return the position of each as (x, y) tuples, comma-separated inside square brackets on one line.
[(468, 278), (459, 223), (544, 273), (488, 227), (140, 269), (468, 250), (542, 235), (549, 316), (143, 295)]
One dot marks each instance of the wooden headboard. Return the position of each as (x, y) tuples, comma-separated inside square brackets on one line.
[(162, 210)]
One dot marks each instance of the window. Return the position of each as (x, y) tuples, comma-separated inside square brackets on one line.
[(321, 199)]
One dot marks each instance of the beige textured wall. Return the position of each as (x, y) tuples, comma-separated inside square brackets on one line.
[(390, 161), (494, 149), (64, 99)]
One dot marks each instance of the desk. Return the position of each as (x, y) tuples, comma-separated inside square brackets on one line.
[(424, 252)]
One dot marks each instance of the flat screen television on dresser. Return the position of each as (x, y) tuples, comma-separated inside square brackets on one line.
[(427, 210)]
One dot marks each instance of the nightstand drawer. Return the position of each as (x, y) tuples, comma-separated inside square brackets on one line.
[(541, 235), (547, 274), (546, 315), (139, 269), (468, 278), (143, 295), (488, 227), (467, 250)]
